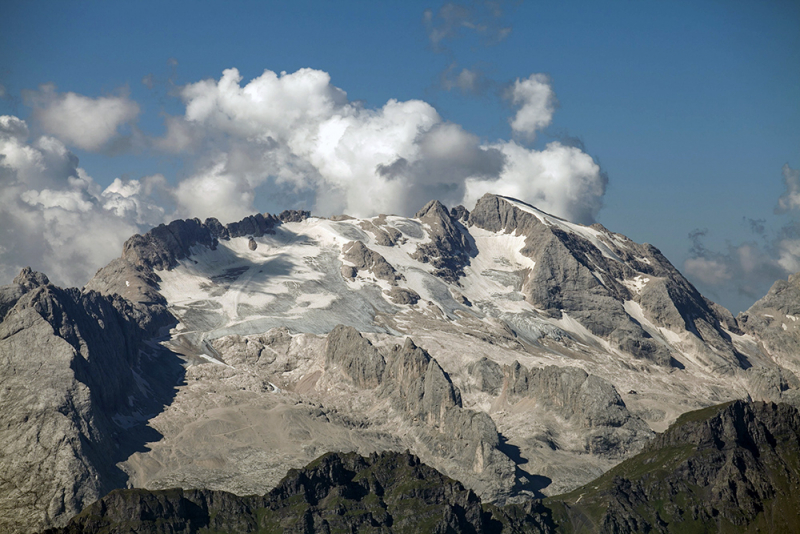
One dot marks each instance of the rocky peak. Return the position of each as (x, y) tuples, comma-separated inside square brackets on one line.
[(30, 279), (449, 249)]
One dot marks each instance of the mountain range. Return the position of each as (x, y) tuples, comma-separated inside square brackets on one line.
[(508, 349)]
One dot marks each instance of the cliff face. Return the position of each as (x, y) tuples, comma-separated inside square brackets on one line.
[(75, 370)]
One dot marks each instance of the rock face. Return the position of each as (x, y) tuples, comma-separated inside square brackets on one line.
[(134, 274), (77, 377), (773, 321), (589, 401), (449, 249), (365, 259), (723, 469), (462, 442), (591, 274)]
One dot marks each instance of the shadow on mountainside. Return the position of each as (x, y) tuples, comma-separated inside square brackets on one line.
[(525, 481)]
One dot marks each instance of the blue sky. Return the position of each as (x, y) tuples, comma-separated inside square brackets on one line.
[(690, 109)]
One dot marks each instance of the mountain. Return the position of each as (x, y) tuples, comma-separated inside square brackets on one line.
[(728, 468), (513, 351)]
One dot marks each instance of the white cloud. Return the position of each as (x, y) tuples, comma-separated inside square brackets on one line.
[(293, 139), (468, 81), (298, 132), (53, 216), (215, 193), (80, 121), (537, 103), (561, 180)]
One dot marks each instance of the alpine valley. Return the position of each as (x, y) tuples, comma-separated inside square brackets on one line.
[(499, 370)]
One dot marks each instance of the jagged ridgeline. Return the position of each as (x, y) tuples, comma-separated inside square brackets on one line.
[(729, 468), (513, 351)]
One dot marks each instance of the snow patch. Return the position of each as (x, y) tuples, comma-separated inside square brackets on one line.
[(636, 284)]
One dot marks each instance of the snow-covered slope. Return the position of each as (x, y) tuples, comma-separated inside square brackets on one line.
[(562, 346)]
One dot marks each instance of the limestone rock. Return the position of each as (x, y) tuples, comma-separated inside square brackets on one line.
[(588, 400), (449, 249), (75, 366), (401, 295), (251, 244), (355, 356), (591, 280), (364, 258), (488, 375)]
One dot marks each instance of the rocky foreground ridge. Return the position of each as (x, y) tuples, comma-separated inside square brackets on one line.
[(734, 467), (513, 351)]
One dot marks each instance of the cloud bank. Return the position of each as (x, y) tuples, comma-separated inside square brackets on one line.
[(292, 136), (54, 216), (87, 123), (748, 269)]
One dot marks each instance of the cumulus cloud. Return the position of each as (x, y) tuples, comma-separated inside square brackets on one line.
[(298, 132), (80, 121), (749, 268), (287, 140), (54, 217), (536, 101)]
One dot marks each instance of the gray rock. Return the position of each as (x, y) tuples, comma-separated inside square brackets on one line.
[(355, 356), (293, 215), (461, 441), (449, 249), (573, 275), (773, 384), (770, 321), (588, 400), (251, 244), (488, 375), (401, 295), (364, 258), (385, 235), (72, 363), (349, 272)]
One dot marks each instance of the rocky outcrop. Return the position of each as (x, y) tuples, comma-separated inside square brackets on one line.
[(293, 216), (401, 295), (459, 441), (590, 274), (582, 399), (487, 374), (77, 375), (449, 249), (368, 260), (722, 469), (774, 321), (134, 274), (385, 235), (355, 356)]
